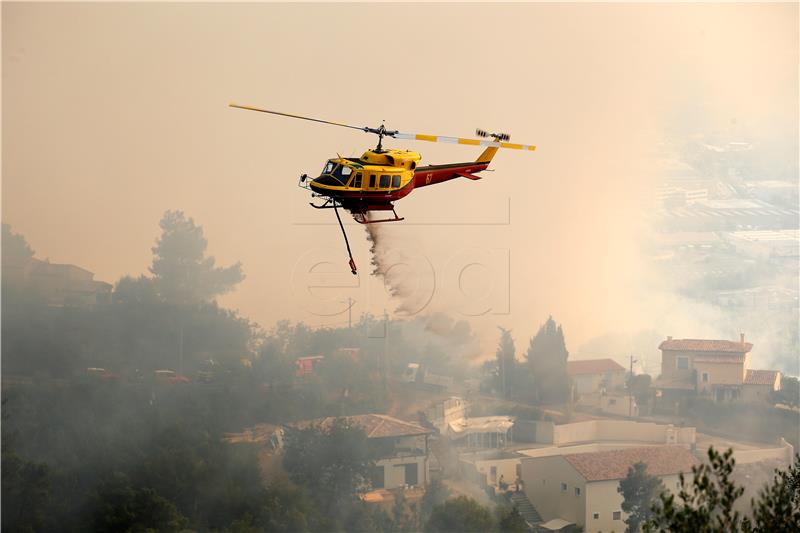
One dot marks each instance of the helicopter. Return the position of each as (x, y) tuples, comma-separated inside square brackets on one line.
[(381, 176)]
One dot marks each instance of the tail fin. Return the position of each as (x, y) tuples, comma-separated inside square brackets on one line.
[(487, 155)]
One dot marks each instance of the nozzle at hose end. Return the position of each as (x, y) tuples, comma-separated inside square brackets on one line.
[(353, 267)]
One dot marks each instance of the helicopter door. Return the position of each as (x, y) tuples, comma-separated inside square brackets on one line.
[(357, 181)]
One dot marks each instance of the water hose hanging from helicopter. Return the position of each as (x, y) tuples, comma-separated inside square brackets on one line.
[(346, 243)]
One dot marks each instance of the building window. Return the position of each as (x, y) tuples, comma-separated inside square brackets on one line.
[(596, 516), (377, 477), (577, 491), (612, 401), (563, 487), (705, 377), (683, 363), (411, 474), (616, 515)]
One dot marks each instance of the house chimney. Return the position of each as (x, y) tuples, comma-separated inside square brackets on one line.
[(741, 337), (669, 337)]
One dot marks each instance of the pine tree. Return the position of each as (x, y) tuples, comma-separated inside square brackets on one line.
[(547, 362), (505, 361), (639, 491), (182, 272)]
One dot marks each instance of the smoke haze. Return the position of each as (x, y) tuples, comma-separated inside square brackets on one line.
[(100, 140)]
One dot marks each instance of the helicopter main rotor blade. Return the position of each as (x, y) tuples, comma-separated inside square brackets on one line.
[(461, 140), (251, 108)]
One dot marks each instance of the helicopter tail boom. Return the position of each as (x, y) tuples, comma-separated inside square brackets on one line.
[(487, 155)]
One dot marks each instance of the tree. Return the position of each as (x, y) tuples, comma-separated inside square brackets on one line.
[(505, 361), (16, 254), (183, 274), (334, 463), (707, 505), (639, 387), (26, 488), (436, 494), (121, 507), (509, 520), (14, 247), (778, 505), (459, 515), (547, 361), (789, 393), (639, 491)]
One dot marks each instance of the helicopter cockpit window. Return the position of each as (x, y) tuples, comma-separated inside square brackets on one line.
[(340, 173), (395, 182), (385, 180)]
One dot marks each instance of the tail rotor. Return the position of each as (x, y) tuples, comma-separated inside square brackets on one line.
[(498, 137)]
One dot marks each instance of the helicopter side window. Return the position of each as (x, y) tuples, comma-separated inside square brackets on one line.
[(396, 182), (372, 181), (357, 181), (385, 180)]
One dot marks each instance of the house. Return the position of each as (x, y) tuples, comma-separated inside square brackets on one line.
[(491, 468), (61, 285), (715, 368), (581, 488), (404, 448), (593, 375), (440, 414), (481, 432), (306, 365), (619, 404), (759, 385)]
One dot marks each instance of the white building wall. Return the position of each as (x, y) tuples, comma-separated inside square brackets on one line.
[(394, 475), (587, 383), (542, 480), (543, 477), (503, 467), (619, 405), (603, 499)]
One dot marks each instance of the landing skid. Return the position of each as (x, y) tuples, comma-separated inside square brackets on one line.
[(361, 218)]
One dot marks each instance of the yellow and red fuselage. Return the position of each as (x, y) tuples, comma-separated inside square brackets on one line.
[(376, 179)]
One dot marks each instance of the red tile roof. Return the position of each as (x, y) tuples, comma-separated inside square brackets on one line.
[(614, 464), (593, 366), (761, 377), (375, 426), (704, 345)]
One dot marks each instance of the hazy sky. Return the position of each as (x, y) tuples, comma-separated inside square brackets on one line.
[(114, 113)]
